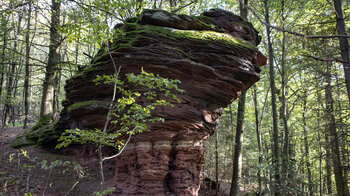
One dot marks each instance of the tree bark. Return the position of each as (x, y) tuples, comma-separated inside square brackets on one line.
[(285, 151), (238, 146), (343, 43), (319, 134), (27, 71), (2, 67), (258, 135), (237, 157), (10, 83), (329, 189), (341, 185), (47, 101), (306, 144), (275, 149)]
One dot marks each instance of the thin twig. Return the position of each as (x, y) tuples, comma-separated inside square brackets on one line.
[(27, 183), (181, 7), (77, 182), (47, 181), (81, 4)]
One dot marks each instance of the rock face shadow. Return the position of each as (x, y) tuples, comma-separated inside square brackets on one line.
[(214, 55)]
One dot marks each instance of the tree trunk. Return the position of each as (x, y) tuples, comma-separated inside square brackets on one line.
[(341, 185), (328, 179), (306, 143), (13, 111), (319, 134), (238, 146), (2, 65), (275, 149), (47, 101), (27, 71), (285, 151), (343, 43), (237, 157), (10, 83), (258, 135)]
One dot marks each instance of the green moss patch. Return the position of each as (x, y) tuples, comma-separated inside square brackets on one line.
[(42, 130), (86, 104), (175, 34)]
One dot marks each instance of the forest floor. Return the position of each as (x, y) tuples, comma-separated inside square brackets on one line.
[(35, 171)]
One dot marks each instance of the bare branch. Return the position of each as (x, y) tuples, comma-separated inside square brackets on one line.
[(321, 59), (183, 6)]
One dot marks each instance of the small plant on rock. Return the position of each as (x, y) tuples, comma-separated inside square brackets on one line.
[(128, 115)]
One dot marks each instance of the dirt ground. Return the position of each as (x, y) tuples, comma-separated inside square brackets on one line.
[(34, 171)]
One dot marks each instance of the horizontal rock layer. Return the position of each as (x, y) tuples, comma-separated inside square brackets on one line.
[(215, 57)]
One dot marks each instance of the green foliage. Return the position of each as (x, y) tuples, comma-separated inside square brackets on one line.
[(130, 116), (104, 192)]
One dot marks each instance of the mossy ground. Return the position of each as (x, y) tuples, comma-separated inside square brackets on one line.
[(38, 134)]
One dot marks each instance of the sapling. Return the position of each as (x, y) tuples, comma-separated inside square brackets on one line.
[(128, 116)]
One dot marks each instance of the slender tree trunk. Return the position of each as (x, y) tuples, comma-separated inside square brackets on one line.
[(275, 149), (341, 185), (3, 52), (285, 151), (237, 157), (13, 112), (258, 135), (27, 71), (343, 43), (329, 189), (47, 101), (10, 83), (238, 146), (306, 143), (319, 135)]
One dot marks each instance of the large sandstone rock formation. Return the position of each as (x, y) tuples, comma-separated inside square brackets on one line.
[(215, 57)]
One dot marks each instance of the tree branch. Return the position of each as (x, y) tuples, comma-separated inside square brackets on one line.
[(292, 32), (181, 7), (321, 59)]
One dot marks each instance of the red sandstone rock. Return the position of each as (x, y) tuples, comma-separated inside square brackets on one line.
[(215, 58)]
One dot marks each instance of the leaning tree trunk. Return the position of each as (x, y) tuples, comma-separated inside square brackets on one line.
[(343, 43), (47, 101)]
